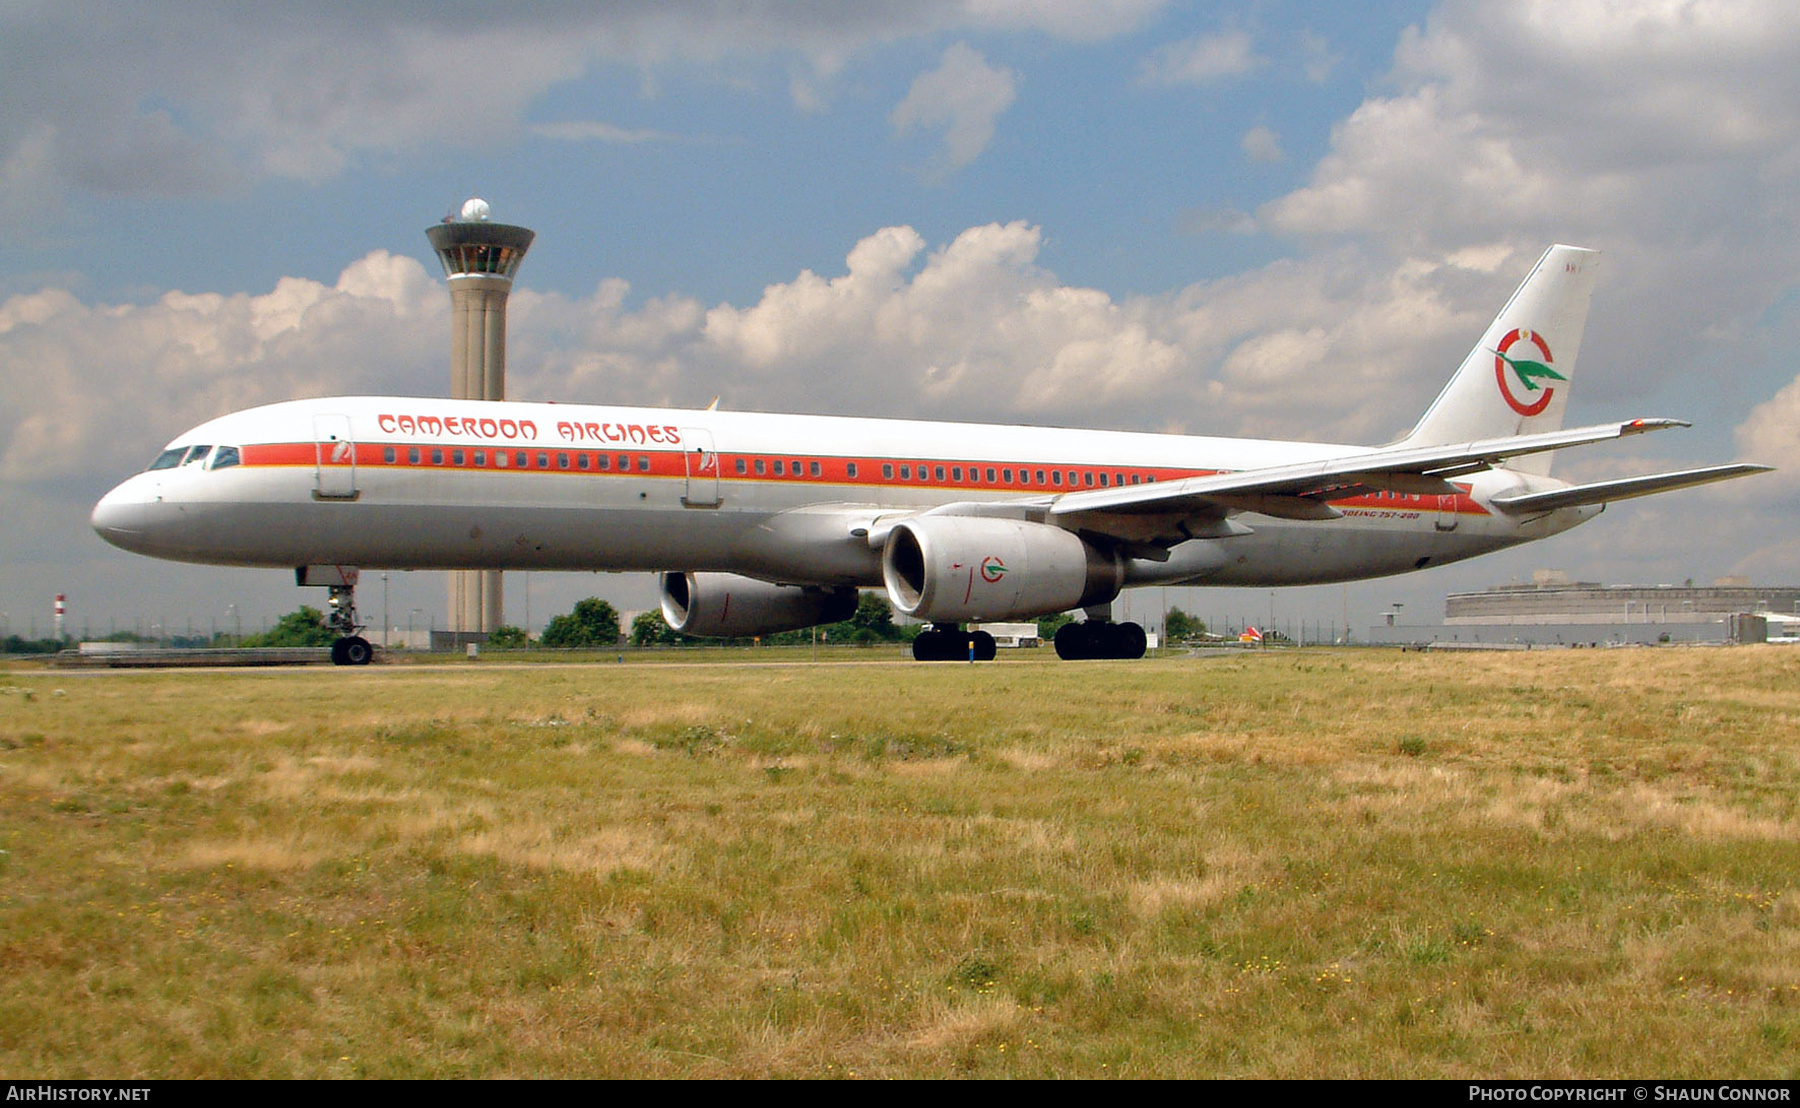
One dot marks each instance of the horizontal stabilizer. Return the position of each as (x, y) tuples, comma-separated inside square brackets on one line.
[(1604, 492)]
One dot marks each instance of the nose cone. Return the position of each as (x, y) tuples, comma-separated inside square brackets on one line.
[(120, 516)]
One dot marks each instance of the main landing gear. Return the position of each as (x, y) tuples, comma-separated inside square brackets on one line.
[(350, 649), (1099, 638), (947, 643)]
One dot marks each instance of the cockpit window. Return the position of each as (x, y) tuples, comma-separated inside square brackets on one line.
[(196, 454), (170, 458), (224, 456)]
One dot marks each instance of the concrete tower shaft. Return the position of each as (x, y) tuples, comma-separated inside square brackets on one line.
[(480, 259)]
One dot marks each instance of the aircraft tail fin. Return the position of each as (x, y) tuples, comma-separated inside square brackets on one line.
[(1516, 381)]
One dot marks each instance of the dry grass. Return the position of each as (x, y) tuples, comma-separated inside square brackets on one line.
[(1346, 863)]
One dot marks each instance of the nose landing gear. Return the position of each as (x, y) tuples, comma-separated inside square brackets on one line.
[(350, 649)]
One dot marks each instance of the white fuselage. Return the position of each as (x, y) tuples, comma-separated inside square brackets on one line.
[(411, 483)]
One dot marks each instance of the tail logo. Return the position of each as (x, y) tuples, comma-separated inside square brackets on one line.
[(1528, 370)]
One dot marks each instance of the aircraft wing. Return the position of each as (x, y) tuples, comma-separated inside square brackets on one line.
[(1604, 492), (1305, 491)]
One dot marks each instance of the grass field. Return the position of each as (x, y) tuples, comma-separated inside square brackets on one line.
[(1302, 863)]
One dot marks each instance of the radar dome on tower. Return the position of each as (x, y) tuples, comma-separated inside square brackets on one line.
[(476, 210)]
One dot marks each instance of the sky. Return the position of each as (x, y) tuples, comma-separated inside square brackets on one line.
[(1263, 218)]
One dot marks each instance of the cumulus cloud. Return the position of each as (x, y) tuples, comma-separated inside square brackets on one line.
[(1317, 58), (1666, 134), (67, 367), (594, 130), (1260, 144), (973, 329), (1201, 60), (966, 96), (198, 97)]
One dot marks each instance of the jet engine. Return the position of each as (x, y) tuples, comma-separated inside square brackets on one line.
[(947, 569), (724, 605)]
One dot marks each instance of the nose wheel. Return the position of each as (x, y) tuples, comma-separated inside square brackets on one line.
[(350, 649)]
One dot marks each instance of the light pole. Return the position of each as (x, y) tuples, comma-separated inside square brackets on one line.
[(384, 613)]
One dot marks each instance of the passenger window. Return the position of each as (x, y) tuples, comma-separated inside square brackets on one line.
[(779, 470), (604, 461), (388, 455), (643, 463), (991, 475), (412, 455), (813, 468), (1056, 477), (543, 461), (228, 456), (437, 456), (760, 467), (521, 460), (741, 467), (562, 461), (169, 459), (905, 473), (1103, 480), (624, 463), (955, 473), (456, 457), (481, 457), (852, 469), (581, 460), (1040, 477), (939, 471), (887, 471)]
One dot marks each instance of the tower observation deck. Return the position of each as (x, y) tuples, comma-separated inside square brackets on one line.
[(480, 258)]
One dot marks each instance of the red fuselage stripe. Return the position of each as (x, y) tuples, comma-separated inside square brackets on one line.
[(795, 469)]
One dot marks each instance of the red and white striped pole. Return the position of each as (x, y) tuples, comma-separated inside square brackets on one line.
[(61, 608)]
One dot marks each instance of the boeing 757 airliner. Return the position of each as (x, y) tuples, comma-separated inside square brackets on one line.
[(760, 523)]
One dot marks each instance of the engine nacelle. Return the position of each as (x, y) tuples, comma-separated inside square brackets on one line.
[(724, 605), (948, 569)]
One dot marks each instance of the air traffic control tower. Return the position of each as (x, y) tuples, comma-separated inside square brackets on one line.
[(480, 258)]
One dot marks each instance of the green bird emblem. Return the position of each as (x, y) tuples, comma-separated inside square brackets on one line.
[(1529, 371)]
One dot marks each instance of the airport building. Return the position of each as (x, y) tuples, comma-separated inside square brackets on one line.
[(1553, 610)]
